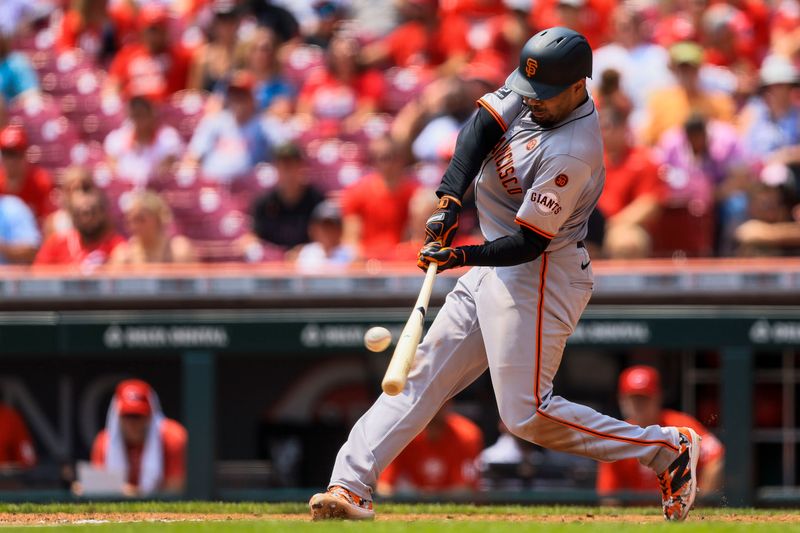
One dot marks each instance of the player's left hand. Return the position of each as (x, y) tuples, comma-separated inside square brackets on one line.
[(446, 258)]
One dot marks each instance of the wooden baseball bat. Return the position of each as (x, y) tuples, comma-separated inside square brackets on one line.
[(396, 374)]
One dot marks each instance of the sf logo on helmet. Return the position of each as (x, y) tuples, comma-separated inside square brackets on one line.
[(530, 67)]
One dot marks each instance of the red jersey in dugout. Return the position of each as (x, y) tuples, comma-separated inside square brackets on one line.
[(173, 438), (630, 475), (16, 446), (447, 463)]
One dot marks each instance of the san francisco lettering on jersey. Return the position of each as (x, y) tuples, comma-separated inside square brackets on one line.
[(504, 164)]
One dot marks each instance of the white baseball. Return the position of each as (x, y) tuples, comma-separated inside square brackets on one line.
[(377, 339)]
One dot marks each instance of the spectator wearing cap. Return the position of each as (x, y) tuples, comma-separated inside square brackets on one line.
[(138, 441), (152, 66), (89, 243), (705, 172), (149, 221), (376, 207), (342, 93), (213, 63), (230, 142), (773, 224), (643, 66), (261, 59), (326, 249), (19, 177), (671, 106), (17, 76), (281, 215), (422, 40), (640, 401), (330, 15), (771, 120), (142, 149), (633, 192)]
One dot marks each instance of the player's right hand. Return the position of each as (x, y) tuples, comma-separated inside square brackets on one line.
[(445, 258), (442, 224)]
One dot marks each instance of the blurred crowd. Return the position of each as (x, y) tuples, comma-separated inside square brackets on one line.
[(315, 131)]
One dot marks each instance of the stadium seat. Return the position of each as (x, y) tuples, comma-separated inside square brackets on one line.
[(333, 164), (184, 110), (50, 134), (248, 187), (108, 116), (402, 86), (301, 61)]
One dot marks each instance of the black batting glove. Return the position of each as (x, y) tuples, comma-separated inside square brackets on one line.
[(442, 224), (446, 258)]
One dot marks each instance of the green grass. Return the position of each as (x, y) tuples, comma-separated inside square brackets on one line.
[(576, 519)]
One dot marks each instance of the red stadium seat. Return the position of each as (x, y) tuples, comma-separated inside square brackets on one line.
[(109, 115), (184, 110), (333, 164), (50, 134), (248, 187), (301, 61), (402, 86)]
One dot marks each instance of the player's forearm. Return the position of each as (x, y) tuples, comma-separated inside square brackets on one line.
[(475, 140), (521, 247)]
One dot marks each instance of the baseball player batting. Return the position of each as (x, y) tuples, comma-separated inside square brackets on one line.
[(535, 147)]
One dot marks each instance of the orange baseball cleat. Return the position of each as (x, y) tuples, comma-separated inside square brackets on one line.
[(338, 502), (679, 481)]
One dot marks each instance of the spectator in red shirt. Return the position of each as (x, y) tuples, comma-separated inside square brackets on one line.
[(91, 240), (89, 26), (152, 66), (342, 91), (640, 399), (423, 40), (376, 207), (16, 445), (440, 459), (18, 177), (138, 440), (633, 192), (589, 17)]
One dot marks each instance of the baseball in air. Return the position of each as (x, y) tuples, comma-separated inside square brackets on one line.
[(377, 339)]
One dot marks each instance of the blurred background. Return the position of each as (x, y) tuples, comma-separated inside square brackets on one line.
[(204, 204)]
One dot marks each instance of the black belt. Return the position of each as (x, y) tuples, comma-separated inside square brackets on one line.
[(581, 245)]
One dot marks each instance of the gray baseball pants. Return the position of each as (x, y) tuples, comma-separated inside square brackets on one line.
[(515, 321)]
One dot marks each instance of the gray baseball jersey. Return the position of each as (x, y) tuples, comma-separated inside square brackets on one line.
[(546, 179), (514, 320)]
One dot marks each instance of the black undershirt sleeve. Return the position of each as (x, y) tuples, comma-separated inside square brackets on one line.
[(475, 140), (521, 247)]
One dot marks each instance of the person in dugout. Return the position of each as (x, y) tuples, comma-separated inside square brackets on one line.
[(140, 441), (641, 403)]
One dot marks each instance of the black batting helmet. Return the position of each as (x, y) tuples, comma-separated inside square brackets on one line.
[(551, 61)]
